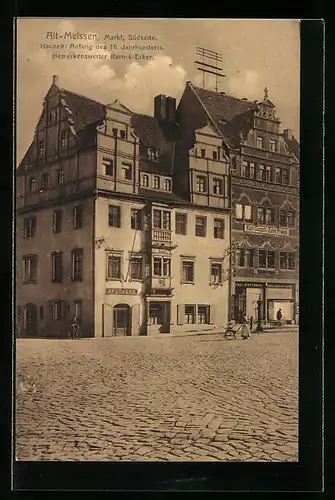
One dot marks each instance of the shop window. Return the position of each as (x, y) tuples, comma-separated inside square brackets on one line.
[(203, 314), (190, 317)]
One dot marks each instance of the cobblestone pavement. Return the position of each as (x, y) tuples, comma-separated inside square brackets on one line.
[(188, 398)]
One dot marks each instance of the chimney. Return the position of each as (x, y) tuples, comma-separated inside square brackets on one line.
[(55, 80), (171, 109), (160, 107), (288, 134)]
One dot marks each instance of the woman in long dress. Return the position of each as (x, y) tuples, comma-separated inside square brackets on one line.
[(245, 331)]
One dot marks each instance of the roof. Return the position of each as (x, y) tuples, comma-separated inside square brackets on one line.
[(294, 146), (83, 110), (222, 108), (154, 134), (160, 195)]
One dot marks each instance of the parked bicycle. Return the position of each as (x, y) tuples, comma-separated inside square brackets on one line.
[(231, 331)]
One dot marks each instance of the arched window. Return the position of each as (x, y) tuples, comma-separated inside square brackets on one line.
[(167, 185)]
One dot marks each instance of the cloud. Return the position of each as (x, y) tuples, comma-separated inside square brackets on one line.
[(246, 84)]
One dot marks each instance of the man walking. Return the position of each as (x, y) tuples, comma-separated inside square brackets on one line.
[(279, 317)]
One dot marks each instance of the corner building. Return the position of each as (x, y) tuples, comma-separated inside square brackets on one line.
[(116, 227)]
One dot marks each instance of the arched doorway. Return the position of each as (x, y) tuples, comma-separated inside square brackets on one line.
[(121, 320), (30, 320)]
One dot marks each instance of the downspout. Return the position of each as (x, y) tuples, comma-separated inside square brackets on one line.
[(230, 287)]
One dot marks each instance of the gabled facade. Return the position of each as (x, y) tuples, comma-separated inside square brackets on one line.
[(264, 166), (105, 233)]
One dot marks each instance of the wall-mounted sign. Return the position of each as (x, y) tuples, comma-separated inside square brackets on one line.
[(258, 285), (251, 228), (121, 291)]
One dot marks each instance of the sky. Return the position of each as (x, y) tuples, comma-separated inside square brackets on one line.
[(256, 54)]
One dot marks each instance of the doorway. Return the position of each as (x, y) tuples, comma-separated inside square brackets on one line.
[(240, 304), (121, 320), (159, 314), (30, 320)]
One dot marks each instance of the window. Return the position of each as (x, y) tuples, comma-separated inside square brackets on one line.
[(123, 134), (114, 216), (243, 212), (283, 260), (144, 180), (181, 223), (273, 145), (269, 173), (136, 268), (77, 217), (41, 312), (266, 259), (219, 229), (53, 115), (215, 155), (244, 257), (270, 216), (201, 184), (285, 177), (203, 316), (152, 154), (261, 173), (187, 271), (57, 221), (29, 227), (251, 170), (200, 226), (114, 267), (77, 264), (260, 142), (78, 309), (216, 273), (203, 153), (162, 219), (278, 175), (60, 176), (167, 185), (126, 171), (157, 182), (245, 169), (291, 261), (63, 139), (286, 218), (41, 148), (29, 268), (58, 312), (261, 215), (108, 165), (217, 186), (135, 219), (114, 131), (45, 180), (57, 267), (32, 185), (190, 315), (162, 266)]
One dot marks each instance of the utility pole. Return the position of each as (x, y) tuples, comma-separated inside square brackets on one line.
[(212, 60)]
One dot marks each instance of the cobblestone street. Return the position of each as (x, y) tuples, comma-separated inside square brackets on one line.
[(169, 398)]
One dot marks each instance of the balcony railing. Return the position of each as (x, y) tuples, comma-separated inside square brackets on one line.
[(161, 235)]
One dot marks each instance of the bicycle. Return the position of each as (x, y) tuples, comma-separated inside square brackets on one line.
[(230, 332), (74, 332)]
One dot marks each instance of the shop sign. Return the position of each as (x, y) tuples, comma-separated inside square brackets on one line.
[(251, 228), (121, 291)]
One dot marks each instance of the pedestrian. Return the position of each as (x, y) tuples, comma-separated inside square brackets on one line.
[(251, 322), (279, 317), (245, 332)]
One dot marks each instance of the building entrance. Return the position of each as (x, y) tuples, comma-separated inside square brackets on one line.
[(121, 320)]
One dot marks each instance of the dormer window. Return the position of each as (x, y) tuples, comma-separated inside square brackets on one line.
[(272, 145), (152, 154), (144, 180), (156, 182), (63, 139), (167, 185)]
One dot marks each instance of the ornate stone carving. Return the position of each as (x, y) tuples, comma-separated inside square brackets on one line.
[(262, 186)]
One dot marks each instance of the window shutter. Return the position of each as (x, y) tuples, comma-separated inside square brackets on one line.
[(180, 314), (211, 314), (107, 317), (238, 211), (135, 319)]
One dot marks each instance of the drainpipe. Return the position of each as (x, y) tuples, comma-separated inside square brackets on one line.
[(231, 241)]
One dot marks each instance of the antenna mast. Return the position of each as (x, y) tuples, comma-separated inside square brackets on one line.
[(209, 56)]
